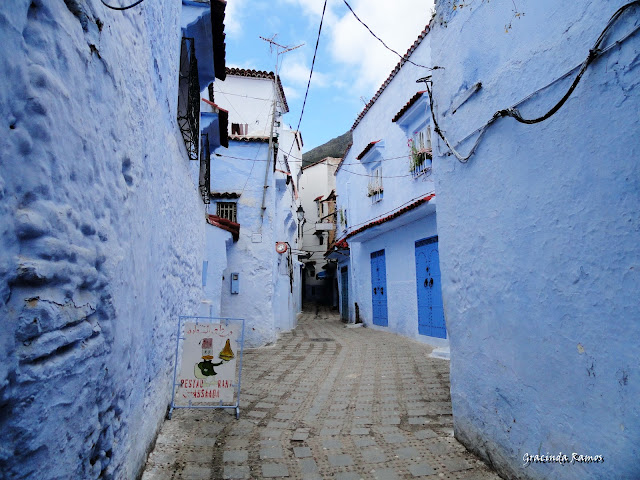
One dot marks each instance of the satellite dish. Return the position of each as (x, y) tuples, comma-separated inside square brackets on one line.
[(281, 247)]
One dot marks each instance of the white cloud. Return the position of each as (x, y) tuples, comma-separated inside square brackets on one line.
[(233, 17), (398, 24), (291, 93), (296, 71)]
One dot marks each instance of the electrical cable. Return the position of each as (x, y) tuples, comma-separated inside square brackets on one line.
[(315, 52), (384, 44), (382, 215), (121, 8), (299, 160), (513, 111)]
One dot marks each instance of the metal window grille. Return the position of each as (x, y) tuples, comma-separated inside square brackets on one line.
[(375, 190), (205, 169), (189, 97), (227, 210)]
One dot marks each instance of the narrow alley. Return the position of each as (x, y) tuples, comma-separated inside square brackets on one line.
[(325, 402)]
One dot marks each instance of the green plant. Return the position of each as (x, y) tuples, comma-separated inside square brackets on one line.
[(418, 155)]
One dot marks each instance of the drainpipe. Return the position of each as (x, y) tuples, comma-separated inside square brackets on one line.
[(270, 152)]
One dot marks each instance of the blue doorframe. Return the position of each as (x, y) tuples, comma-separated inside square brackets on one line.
[(379, 288), (344, 307), (430, 308)]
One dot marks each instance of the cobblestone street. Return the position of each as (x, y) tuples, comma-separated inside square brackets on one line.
[(325, 402)]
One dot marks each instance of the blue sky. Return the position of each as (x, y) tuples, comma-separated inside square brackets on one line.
[(350, 64)]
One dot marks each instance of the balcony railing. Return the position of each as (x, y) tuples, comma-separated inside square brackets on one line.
[(375, 190), (189, 97)]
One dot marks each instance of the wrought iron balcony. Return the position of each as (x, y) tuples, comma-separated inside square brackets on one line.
[(189, 97)]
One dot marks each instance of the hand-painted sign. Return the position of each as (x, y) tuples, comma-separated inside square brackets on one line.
[(208, 367)]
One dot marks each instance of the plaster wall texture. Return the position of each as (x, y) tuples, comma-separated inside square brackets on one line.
[(540, 237), (96, 265), (218, 241), (249, 100), (316, 180), (398, 242), (398, 236), (265, 299), (399, 185)]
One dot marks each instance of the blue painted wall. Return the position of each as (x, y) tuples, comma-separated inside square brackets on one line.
[(540, 237), (396, 237), (101, 235)]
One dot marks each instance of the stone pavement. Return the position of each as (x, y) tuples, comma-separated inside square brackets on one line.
[(325, 402)]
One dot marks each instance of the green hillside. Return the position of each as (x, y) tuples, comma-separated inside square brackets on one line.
[(333, 148)]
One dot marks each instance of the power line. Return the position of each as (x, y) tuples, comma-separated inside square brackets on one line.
[(299, 160), (311, 71), (513, 111), (382, 42), (121, 8)]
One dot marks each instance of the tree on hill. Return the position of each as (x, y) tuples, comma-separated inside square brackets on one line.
[(333, 148)]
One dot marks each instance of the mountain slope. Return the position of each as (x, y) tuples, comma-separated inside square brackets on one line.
[(333, 148)]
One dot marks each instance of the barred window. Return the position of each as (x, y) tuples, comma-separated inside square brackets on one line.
[(227, 210)]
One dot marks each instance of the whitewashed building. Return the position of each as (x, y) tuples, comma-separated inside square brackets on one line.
[(540, 233), (317, 193), (254, 199), (387, 211), (103, 227)]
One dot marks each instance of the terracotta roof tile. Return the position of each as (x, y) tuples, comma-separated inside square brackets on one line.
[(246, 72), (224, 224), (344, 155), (245, 138), (393, 73), (366, 150), (395, 214), (224, 195), (407, 106)]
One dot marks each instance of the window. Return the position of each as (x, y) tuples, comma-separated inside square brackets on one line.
[(227, 210), (420, 145), (375, 189), (239, 129)]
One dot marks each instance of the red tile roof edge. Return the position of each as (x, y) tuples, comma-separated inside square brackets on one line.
[(247, 72), (344, 155), (224, 194), (393, 73), (396, 214), (209, 102), (224, 224), (243, 138), (366, 149), (317, 198), (408, 105)]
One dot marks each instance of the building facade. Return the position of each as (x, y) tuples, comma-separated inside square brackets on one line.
[(103, 232), (540, 234), (317, 192), (387, 249), (254, 195)]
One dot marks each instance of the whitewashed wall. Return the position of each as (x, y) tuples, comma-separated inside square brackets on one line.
[(540, 237), (399, 185), (102, 235)]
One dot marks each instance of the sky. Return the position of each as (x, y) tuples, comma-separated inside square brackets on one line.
[(350, 64)]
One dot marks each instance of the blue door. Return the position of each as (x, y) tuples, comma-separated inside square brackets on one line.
[(344, 312), (430, 309), (379, 288)]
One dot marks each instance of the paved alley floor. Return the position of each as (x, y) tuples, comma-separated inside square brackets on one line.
[(325, 402)]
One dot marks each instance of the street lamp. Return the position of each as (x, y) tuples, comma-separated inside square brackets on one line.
[(300, 213)]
